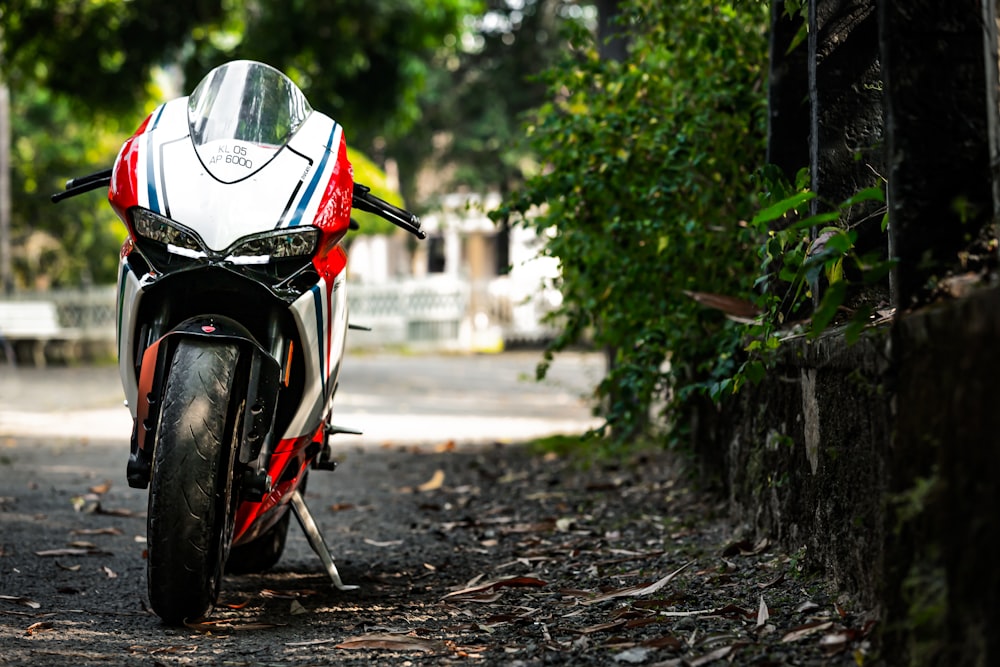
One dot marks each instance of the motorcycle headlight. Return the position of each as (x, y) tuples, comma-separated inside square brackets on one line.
[(279, 244), (155, 227)]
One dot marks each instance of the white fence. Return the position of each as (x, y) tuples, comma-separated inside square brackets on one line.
[(429, 313)]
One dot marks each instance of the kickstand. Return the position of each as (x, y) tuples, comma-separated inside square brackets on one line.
[(316, 540)]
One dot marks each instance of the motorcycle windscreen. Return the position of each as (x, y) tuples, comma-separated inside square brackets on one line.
[(241, 114)]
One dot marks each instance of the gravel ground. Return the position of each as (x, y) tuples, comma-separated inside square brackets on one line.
[(486, 554)]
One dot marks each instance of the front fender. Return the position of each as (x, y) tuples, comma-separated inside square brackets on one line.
[(263, 378)]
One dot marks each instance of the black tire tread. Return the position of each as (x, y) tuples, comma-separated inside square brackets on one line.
[(186, 493)]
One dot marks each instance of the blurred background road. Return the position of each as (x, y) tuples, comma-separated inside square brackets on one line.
[(392, 398)]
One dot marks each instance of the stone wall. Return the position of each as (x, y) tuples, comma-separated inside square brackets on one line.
[(881, 459)]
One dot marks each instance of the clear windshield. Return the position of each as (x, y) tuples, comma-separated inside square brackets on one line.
[(241, 114)]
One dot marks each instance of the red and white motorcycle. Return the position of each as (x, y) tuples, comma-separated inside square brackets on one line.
[(232, 317)]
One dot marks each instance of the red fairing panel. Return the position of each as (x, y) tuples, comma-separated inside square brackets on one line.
[(123, 191), (334, 216), (289, 454)]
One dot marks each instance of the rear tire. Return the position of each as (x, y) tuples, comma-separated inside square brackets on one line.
[(189, 522), (264, 552)]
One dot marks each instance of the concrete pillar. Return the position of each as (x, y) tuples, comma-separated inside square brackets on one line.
[(937, 136), (846, 99)]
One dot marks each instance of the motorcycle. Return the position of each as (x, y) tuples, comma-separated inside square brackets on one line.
[(231, 321)]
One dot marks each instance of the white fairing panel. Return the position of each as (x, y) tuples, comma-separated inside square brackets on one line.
[(321, 317), (269, 189), (129, 295)]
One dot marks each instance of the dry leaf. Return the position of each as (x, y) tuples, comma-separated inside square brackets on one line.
[(666, 641), (638, 591), (101, 489), (287, 595), (81, 544), (96, 531), (732, 307), (798, 633), (762, 613), (112, 512), (206, 627), (109, 572), (493, 585), (435, 482), (297, 608), (745, 548), (71, 552), (601, 627), (392, 643), (21, 601), (387, 543), (41, 626)]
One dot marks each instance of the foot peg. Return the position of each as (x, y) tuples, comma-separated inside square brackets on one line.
[(316, 540), (333, 429), (325, 460)]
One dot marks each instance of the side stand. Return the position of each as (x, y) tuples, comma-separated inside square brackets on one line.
[(316, 540)]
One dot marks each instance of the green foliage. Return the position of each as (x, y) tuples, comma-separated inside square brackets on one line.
[(51, 141), (97, 53), (368, 173), (804, 255), (476, 93), (364, 64), (645, 166)]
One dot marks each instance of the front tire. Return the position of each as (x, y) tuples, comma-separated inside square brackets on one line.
[(190, 494)]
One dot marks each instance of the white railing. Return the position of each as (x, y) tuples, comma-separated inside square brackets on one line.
[(437, 312), (89, 312)]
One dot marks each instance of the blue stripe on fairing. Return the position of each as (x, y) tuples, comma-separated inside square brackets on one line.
[(321, 330), (307, 195), (122, 278), (154, 203)]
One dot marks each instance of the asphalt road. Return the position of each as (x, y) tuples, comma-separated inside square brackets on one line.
[(404, 399), (72, 533)]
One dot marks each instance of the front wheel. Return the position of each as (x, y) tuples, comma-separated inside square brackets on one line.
[(190, 493)]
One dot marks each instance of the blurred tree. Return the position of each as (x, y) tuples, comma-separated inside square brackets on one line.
[(470, 133), (647, 168), (97, 53), (60, 245), (365, 65), (77, 69)]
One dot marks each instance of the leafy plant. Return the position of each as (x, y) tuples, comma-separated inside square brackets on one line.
[(807, 263), (638, 195)]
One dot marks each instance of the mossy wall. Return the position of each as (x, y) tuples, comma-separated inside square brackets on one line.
[(881, 459)]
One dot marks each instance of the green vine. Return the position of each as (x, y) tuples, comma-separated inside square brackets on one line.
[(808, 263)]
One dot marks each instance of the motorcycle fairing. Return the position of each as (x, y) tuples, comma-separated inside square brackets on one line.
[(309, 181), (160, 170), (321, 317)]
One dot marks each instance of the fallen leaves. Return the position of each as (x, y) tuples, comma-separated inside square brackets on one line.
[(474, 592), (803, 631), (393, 643), (23, 601), (612, 567), (72, 551), (638, 591), (435, 482)]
